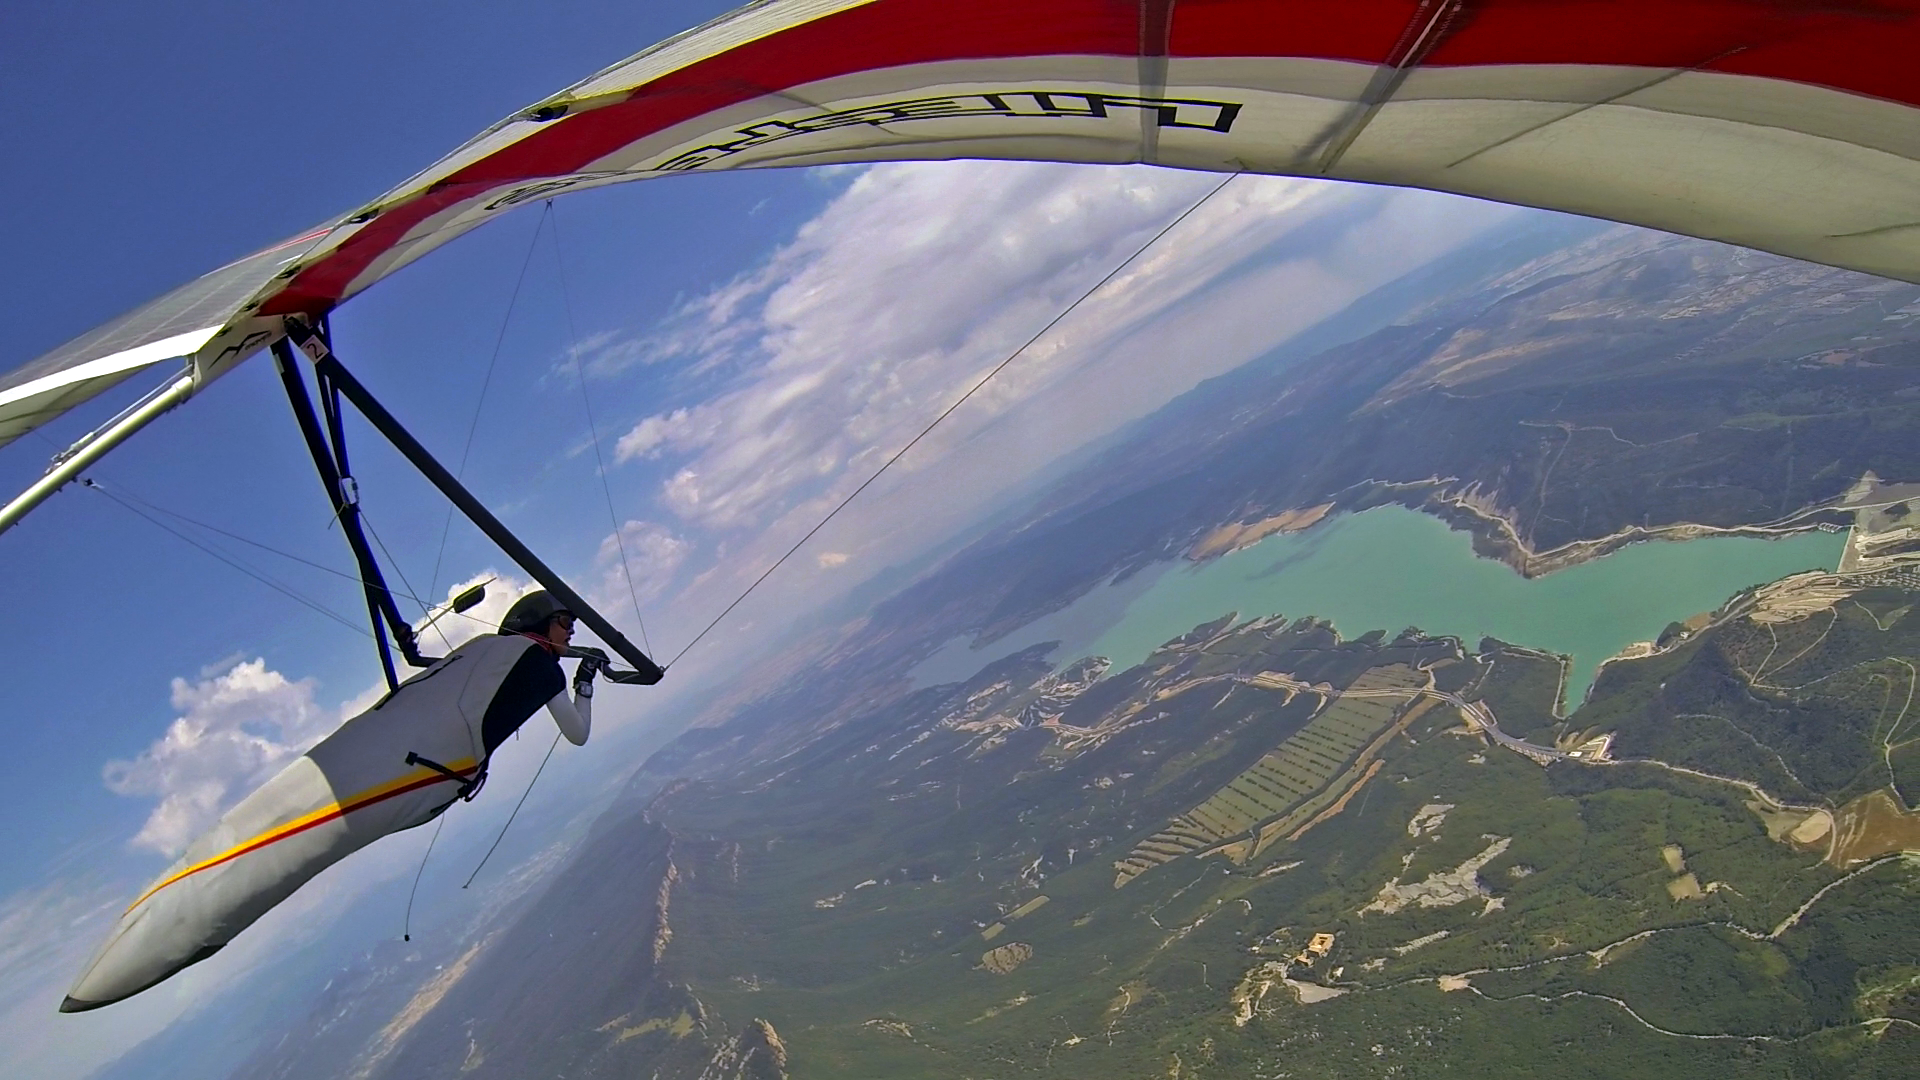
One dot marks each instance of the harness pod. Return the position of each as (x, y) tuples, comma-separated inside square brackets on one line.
[(383, 771)]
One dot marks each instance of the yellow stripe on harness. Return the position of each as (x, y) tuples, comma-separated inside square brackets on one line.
[(410, 782)]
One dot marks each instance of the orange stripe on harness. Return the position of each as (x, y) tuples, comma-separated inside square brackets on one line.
[(402, 786)]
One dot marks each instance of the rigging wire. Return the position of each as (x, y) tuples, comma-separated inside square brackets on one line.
[(500, 339), (400, 594), (516, 810), (406, 924), (426, 611), (270, 549), (963, 399), (130, 497), (580, 373), (606, 490), (257, 575)]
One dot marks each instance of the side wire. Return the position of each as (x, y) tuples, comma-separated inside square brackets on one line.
[(573, 346), (406, 924), (516, 810), (269, 548), (256, 575), (500, 340), (426, 610), (580, 373), (963, 399)]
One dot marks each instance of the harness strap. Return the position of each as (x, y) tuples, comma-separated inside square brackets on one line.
[(469, 786)]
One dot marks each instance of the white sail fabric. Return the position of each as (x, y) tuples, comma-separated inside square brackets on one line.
[(1784, 127), (177, 324)]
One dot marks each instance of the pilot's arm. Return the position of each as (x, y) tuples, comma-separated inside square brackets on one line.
[(575, 717)]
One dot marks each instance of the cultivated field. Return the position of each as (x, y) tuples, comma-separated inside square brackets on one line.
[(1287, 776)]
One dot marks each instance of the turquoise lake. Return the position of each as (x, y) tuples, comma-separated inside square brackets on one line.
[(1390, 568)]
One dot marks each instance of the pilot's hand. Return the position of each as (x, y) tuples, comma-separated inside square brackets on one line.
[(590, 666)]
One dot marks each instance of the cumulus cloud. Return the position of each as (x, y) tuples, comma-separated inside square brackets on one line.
[(883, 309), (802, 375), (450, 630), (235, 730), (920, 277), (652, 435), (236, 723), (795, 380)]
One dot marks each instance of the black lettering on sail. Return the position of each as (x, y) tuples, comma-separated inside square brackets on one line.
[(1189, 113)]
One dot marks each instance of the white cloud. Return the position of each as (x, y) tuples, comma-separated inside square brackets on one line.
[(37, 931), (46, 934), (883, 309), (652, 435), (237, 722), (652, 554), (452, 629), (801, 376), (235, 730)]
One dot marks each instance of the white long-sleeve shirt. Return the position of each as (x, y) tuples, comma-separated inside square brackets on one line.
[(574, 716)]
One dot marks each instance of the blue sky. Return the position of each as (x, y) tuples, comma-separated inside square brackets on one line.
[(150, 173), (753, 344)]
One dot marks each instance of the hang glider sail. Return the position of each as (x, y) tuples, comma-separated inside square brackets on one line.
[(1785, 126)]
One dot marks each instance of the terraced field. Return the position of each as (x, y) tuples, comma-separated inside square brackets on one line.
[(1288, 775)]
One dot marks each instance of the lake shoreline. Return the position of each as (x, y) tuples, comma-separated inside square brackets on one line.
[(1392, 566), (1497, 537)]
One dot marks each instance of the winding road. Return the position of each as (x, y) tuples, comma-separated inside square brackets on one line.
[(1479, 715)]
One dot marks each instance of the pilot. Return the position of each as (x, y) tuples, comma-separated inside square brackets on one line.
[(398, 765), (535, 678), (508, 677)]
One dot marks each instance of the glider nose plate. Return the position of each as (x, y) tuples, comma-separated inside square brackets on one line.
[(119, 974)]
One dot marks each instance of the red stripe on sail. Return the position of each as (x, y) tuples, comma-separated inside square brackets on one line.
[(1865, 48)]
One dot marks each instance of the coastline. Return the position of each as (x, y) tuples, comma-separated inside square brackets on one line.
[(1495, 536)]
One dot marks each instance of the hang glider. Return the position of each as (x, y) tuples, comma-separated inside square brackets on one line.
[(1787, 126)]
